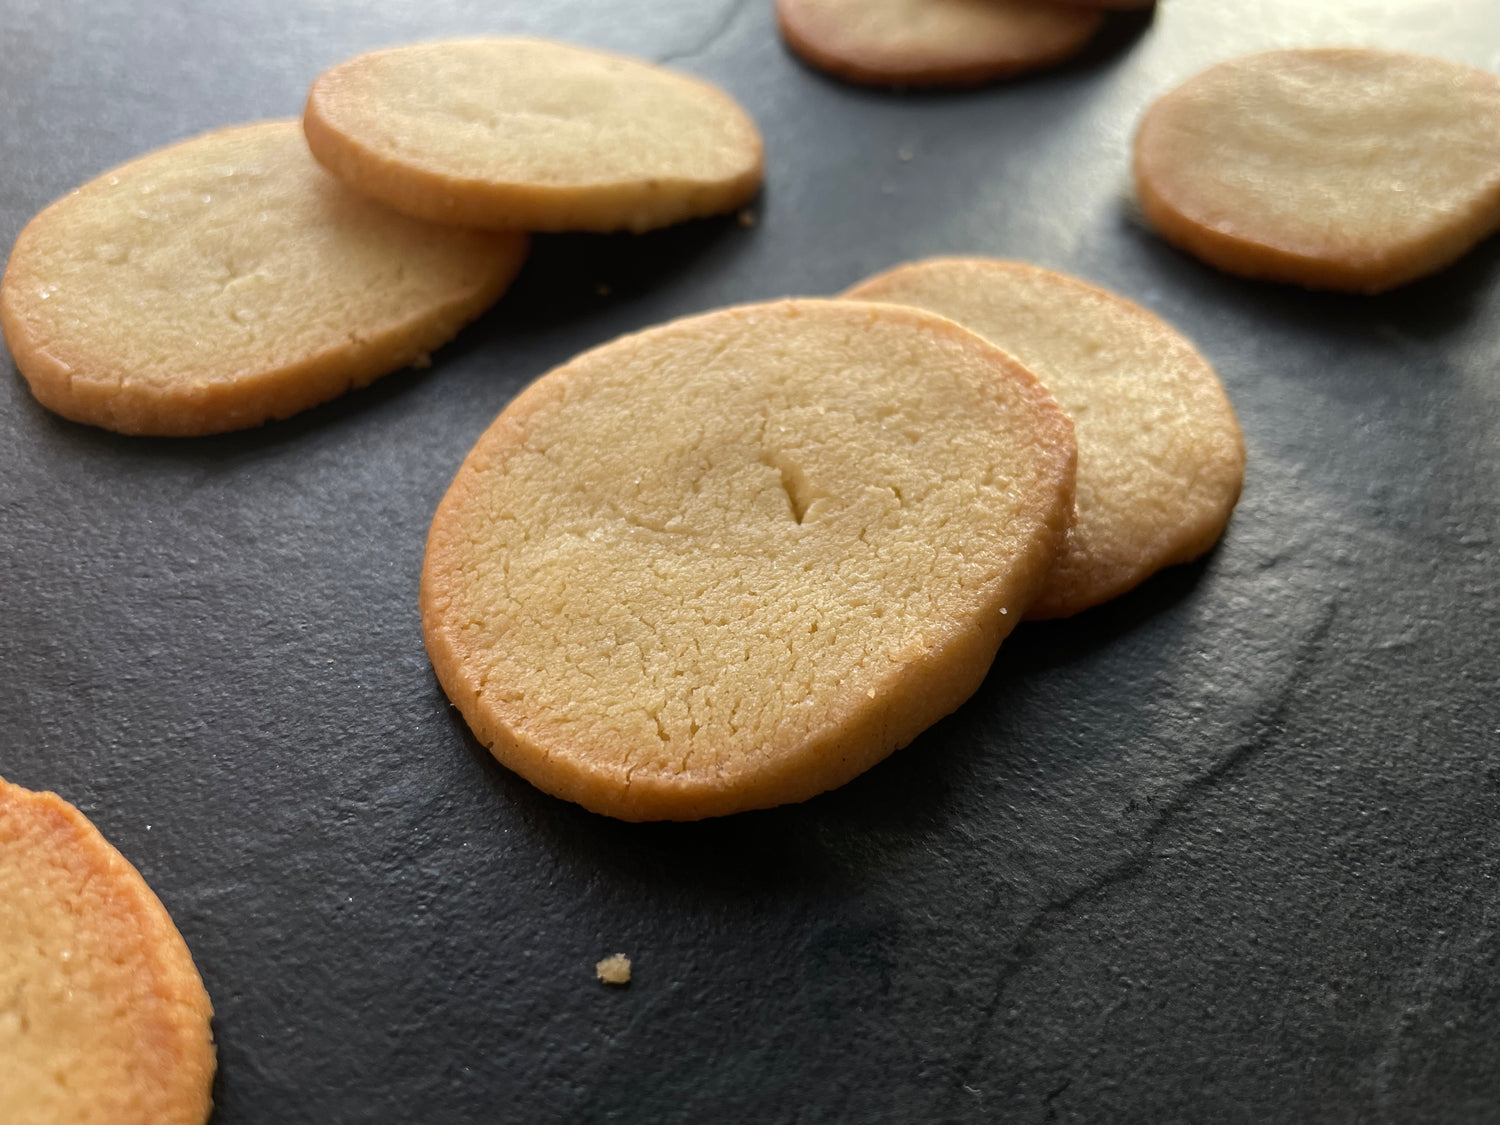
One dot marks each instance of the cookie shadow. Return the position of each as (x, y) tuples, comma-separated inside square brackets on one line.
[(735, 857), (839, 840), (571, 277), (1038, 647), (1121, 32), (232, 446), (1432, 307), (1427, 309), (915, 785)]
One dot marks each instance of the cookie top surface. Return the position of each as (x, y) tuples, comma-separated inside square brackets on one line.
[(103, 1018), (735, 560), (1344, 168), (933, 42), (1160, 455), (229, 279), (525, 134)]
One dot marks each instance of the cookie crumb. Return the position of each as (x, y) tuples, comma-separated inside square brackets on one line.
[(904, 154), (746, 218), (614, 970)]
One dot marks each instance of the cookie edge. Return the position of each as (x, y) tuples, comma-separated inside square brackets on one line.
[(1052, 603), (1244, 256), (175, 977), (863, 72), (634, 206), (108, 399)]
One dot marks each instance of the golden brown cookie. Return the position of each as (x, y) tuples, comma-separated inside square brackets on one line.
[(103, 1018), (228, 280), (522, 134), (933, 42), (1335, 168), (736, 560), (1160, 455)]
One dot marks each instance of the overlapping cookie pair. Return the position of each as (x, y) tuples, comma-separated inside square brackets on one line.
[(735, 560), (231, 279)]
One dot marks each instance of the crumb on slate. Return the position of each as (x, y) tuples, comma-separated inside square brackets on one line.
[(746, 217), (614, 970)]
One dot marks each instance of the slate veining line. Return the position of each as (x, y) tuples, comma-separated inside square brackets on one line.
[(1265, 733), (716, 32), (1052, 1097), (1450, 951)]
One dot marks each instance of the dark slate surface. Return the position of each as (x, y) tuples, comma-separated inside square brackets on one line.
[(1223, 850)]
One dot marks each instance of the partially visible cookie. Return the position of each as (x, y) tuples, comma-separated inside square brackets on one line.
[(103, 1017), (1160, 455), (734, 561), (933, 42), (1107, 5), (228, 280), (522, 134), (1335, 168)]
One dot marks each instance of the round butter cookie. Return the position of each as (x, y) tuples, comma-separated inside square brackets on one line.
[(522, 134), (735, 560), (933, 42), (103, 1018), (1160, 455), (1336, 168), (228, 280)]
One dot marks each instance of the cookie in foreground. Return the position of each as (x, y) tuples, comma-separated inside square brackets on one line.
[(1160, 455), (228, 280), (933, 42), (524, 134), (103, 1016), (736, 560), (1334, 168)]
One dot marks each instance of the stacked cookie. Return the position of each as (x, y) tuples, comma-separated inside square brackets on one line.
[(735, 560), (233, 278)]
